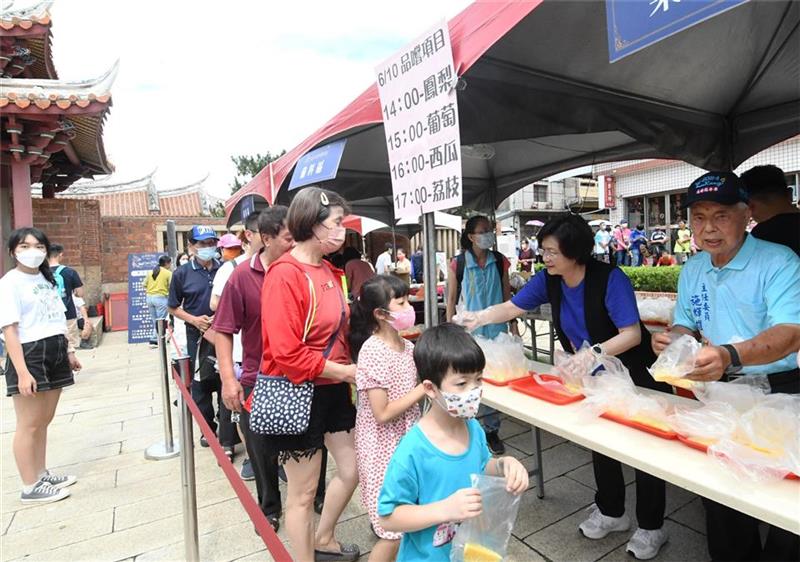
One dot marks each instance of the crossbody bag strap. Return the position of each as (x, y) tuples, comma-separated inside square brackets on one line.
[(312, 313)]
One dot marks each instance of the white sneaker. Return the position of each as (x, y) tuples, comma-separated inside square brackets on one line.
[(645, 544), (58, 481), (598, 525), (43, 492)]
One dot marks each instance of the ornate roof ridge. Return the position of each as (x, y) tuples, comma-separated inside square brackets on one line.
[(38, 13), (94, 89), (188, 188)]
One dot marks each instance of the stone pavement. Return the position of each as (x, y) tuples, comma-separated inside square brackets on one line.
[(127, 508)]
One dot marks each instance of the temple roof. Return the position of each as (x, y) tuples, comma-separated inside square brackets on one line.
[(141, 197), (26, 47)]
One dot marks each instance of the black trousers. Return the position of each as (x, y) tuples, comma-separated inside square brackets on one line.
[(610, 496), (651, 492), (265, 466), (203, 394), (732, 535)]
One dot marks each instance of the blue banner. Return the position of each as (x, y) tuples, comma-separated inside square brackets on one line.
[(248, 206), (140, 325), (320, 164), (636, 24)]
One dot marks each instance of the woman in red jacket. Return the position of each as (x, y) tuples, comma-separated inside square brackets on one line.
[(304, 319)]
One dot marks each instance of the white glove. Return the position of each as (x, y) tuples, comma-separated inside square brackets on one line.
[(471, 321), (578, 365)]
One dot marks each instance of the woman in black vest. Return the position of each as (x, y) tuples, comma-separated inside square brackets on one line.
[(593, 302)]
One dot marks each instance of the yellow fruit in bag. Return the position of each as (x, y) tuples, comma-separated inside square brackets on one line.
[(646, 420), (477, 553), (671, 379)]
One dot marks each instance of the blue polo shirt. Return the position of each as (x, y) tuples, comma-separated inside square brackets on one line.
[(758, 289), (191, 288)]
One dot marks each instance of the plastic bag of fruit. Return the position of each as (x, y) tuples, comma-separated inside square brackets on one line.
[(485, 538)]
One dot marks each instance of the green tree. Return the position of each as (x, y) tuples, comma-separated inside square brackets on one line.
[(248, 166)]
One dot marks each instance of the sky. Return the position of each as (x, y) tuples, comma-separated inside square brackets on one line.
[(200, 81)]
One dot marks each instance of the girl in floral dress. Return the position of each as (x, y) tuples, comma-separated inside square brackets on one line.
[(388, 390)]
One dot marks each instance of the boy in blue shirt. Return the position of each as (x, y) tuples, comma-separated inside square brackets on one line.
[(426, 491)]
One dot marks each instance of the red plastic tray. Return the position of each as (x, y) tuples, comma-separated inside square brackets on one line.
[(529, 386), (640, 426), (495, 382), (412, 337), (689, 442)]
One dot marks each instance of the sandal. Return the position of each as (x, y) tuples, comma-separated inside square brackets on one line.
[(347, 553)]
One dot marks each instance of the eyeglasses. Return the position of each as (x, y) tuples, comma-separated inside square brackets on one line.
[(550, 254)]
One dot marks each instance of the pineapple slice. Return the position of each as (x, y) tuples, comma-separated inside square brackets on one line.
[(477, 553)]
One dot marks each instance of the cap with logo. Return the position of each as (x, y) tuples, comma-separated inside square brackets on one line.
[(200, 232), (718, 187)]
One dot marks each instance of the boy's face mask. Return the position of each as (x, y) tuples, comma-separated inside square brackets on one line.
[(462, 405)]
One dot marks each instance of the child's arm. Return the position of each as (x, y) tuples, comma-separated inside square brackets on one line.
[(515, 474), (460, 506), (385, 411)]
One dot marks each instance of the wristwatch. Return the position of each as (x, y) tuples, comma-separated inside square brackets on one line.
[(736, 362), (597, 350)]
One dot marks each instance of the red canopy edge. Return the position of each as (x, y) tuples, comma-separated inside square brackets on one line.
[(472, 33)]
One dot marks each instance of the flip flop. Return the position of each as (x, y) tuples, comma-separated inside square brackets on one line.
[(348, 553)]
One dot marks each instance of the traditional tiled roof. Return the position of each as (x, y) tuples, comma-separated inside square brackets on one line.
[(27, 93), (140, 197), (26, 41)]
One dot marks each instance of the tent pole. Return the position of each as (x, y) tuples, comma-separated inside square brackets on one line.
[(429, 269)]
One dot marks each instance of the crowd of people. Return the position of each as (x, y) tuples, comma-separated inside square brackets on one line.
[(306, 359)]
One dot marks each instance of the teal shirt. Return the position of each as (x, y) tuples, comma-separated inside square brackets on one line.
[(758, 289), (420, 473), (481, 288)]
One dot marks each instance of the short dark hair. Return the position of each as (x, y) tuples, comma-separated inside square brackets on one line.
[(446, 347), (388, 246), (763, 181), (574, 235), (55, 249), (251, 222), (272, 220), (308, 210), (350, 254)]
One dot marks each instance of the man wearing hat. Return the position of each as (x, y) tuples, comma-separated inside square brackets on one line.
[(189, 299), (742, 295)]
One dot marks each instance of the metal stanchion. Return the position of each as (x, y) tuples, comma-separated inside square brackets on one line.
[(167, 449), (190, 535)]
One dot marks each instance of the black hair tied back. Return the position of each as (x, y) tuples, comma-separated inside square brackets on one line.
[(376, 293)]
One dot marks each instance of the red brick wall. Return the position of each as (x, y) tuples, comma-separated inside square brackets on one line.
[(73, 223), (123, 236)]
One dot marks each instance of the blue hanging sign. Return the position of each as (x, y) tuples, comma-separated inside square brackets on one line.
[(636, 24), (140, 325), (248, 205), (320, 164)]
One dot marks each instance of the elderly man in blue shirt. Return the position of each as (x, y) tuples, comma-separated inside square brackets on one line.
[(741, 295)]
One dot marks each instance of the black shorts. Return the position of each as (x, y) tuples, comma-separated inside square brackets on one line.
[(47, 362), (332, 410)]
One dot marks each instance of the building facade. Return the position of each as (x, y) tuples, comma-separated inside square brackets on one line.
[(652, 192)]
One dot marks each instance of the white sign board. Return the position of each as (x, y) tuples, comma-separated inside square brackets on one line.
[(420, 119)]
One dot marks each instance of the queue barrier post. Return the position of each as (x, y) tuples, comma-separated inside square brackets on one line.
[(169, 448), (188, 487)]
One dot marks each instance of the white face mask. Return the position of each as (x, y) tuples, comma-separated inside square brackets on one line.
[(32, 257), (485, 240), (462, 405)]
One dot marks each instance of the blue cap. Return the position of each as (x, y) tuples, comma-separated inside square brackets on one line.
[(719, 187), (200, 232)]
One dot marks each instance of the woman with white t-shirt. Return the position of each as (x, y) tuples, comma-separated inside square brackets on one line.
[(39, 362)]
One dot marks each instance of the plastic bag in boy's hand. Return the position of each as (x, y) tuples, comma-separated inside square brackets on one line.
[(485, 538), (462, 504)]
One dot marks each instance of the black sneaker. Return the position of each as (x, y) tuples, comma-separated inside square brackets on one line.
[(203, 441), (496, 445)]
